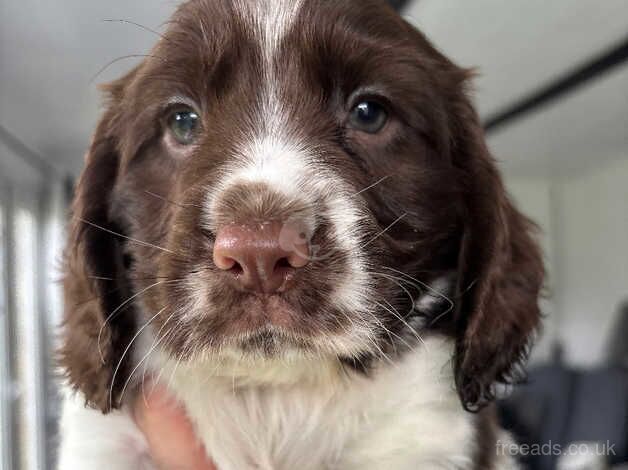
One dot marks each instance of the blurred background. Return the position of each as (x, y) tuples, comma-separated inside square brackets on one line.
[(552, 89)]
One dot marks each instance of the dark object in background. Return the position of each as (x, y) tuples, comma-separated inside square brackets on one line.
[(562, 405), (398, 4), (618, 345), (538, 412), (600, 410)]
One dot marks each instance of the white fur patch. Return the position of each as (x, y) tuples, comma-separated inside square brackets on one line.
[(308, 415), (311, 415), (271, 20), (99, 442), (436, 293)]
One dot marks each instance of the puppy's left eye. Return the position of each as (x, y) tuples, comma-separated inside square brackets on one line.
[(368, 116), (184, 123)]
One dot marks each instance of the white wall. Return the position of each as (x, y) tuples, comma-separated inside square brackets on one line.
[(532, 196), (592, 257), (584, 218)]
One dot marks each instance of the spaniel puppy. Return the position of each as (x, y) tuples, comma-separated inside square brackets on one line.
[(289, 217)]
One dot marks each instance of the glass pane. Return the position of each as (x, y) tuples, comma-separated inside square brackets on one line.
[(5, 380), (27, 334), (52, 307)]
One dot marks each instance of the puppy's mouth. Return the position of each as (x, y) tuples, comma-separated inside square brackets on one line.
[(263, 311)]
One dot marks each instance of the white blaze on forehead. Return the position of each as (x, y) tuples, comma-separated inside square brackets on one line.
[(271, 20), (269, 154), (275, 155)]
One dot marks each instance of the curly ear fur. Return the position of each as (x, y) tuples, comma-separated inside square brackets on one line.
[(93, 282), (500, 276)]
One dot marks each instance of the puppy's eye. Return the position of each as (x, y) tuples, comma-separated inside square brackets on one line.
[(183, 123), (368, 116)]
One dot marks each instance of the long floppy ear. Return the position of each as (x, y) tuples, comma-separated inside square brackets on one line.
[(92, 343), (500, 275)]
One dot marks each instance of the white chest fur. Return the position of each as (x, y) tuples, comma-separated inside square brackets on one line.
[(406, 415)]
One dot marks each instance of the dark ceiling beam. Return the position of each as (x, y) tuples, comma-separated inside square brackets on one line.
[(398, 4), (568, 83)]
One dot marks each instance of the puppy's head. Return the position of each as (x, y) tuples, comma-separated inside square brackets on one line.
[(294, 178)]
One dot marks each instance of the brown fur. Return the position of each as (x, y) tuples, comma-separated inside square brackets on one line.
[(459, 218)]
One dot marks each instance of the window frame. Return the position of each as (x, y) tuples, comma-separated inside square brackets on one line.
[(8, 412)]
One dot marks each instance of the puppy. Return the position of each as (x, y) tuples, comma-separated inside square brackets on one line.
[(289, 216)]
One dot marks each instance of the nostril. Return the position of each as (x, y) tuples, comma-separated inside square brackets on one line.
[(283, 263), (224, 262), (236, 269)]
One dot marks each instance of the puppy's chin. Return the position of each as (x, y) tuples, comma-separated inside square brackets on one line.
[(273, 343), (262, 358), (269, 349)]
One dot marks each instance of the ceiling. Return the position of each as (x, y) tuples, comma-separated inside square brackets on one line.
[(50, 53), (520, 45)]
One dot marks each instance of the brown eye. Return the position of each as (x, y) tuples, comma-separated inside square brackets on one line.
[(368, 116), (183, 124)]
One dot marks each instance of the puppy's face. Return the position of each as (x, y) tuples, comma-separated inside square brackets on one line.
[(298, 177)]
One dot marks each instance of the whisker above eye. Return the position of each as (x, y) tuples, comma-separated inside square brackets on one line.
[(118, 59), (133, 23)]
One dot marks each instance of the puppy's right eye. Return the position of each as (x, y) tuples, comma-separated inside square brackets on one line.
[(368, 116), (184, 123)]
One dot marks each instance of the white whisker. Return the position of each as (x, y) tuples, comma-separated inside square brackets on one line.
[(423, 284), (397, 315), (134, 240), (125, 352), (395, 222), (379, 181), (401, 286), (116, 310), (369, 336), (156, 342), (389, 332)]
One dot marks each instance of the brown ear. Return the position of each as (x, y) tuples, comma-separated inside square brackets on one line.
[(500, 277), (93, 284)]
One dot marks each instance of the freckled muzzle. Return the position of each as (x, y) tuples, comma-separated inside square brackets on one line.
[(273, 259)]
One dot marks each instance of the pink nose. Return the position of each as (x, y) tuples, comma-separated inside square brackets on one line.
[(262, 257)]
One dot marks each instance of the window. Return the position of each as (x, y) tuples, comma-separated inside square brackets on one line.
[(5, 373), (31, 236), (27, 345)]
